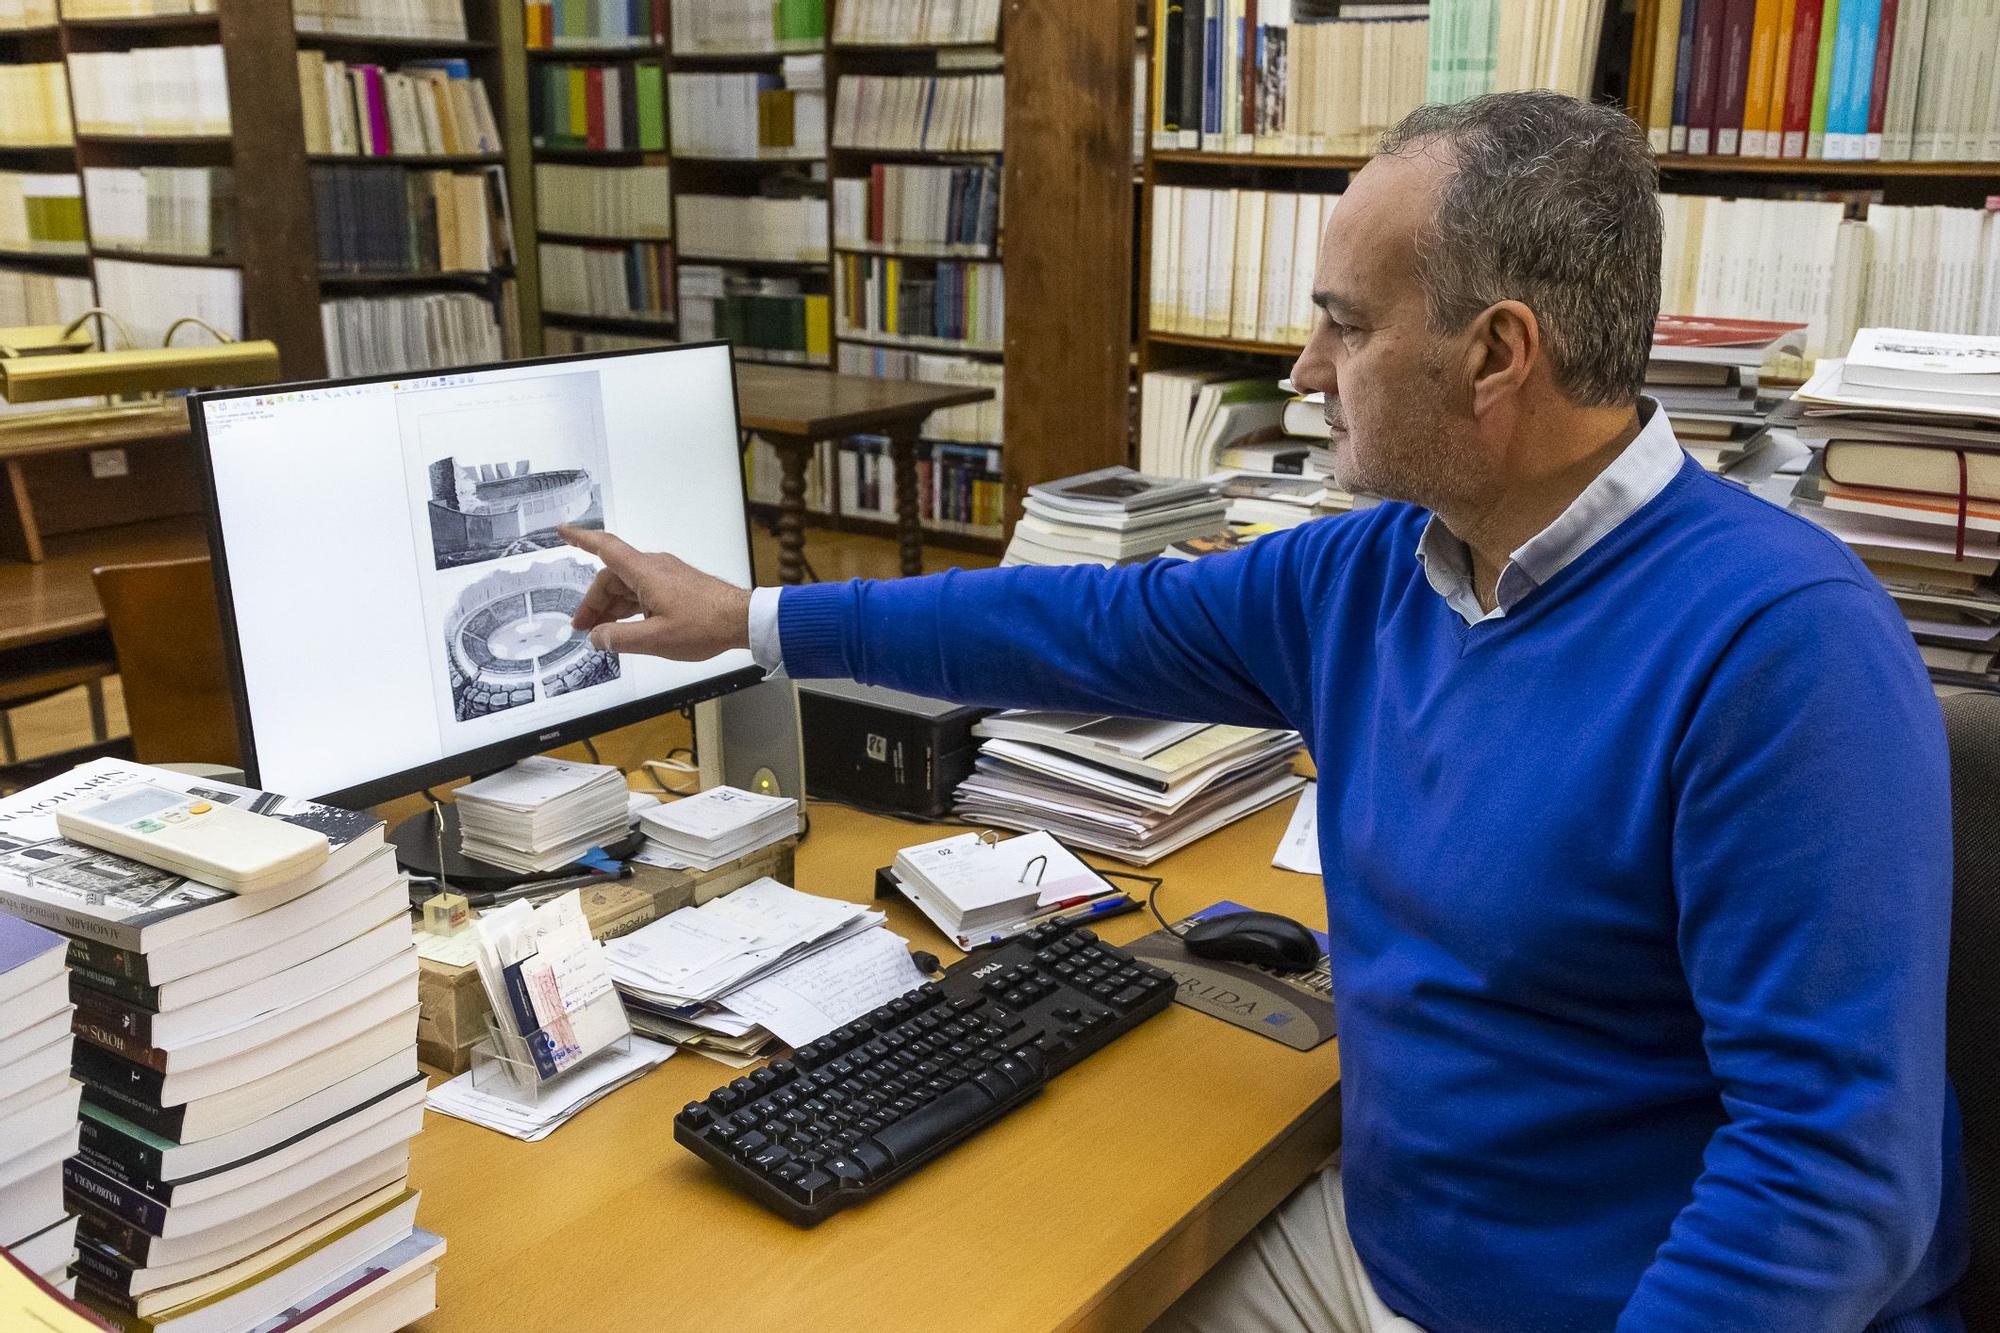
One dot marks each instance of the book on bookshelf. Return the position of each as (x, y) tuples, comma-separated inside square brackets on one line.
[(34, 106), (939, 301), (1932, 267), (758, 115), (634, 280), (388, 219), (613, 202), (18, 14), (752, 227), (29, 296), (960, 489), (386, 335), (162, 210), (618, 106), (1235, 263), (945, 210), (42, 213), (134, 9), (963, 113), (560, 341), (922, 23), (974, 423), (781, 319), (1478, 46), (150, 297), (153, 90), (442, 20), (430, 107), (551, 25), (748, 27)]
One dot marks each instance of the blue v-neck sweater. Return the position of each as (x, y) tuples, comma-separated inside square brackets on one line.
[(1638, 896)]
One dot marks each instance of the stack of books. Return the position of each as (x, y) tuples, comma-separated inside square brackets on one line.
[(1235, 263), (250, 1083), (1129, 788), (542, 814), (1908, 475), (38, 1101), (1703, 372), (1111, 516), (979, 890), (714, 827)]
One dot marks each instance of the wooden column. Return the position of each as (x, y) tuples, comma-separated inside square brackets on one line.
[(1067, 184), (274, 205)]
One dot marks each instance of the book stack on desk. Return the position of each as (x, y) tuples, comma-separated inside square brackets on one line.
[(541, 814), (1129, 788), (38, 1101), (1908, 475), (248, 1061), (1109, 517), (980, 890), (1704, 373), (714, 827)]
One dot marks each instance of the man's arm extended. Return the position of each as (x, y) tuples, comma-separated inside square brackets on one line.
[(1812, 863)]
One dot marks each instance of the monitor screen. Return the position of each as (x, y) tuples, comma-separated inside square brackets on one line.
[(395, 599)]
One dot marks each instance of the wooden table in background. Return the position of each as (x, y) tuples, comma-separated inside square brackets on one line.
[(795, 408), (1091, 1207), (50, 490)]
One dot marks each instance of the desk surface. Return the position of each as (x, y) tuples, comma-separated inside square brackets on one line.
[(56, 598), (96, 431), (1089, 1208), (818, 404)]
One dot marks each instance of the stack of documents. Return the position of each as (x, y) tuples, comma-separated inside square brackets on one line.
[(762, 961), (468, 1097), (542, 814), (547, 981), (1704, 371), (979, 889), (38, 1101), (715, 827), (1132, 789), (1111, 516)]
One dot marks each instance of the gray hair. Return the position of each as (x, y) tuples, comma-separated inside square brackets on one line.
[(1551, 202)]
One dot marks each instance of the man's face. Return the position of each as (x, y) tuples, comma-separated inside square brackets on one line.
[(1400, 428)]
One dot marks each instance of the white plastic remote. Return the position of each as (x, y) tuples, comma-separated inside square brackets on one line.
[(192, 836)]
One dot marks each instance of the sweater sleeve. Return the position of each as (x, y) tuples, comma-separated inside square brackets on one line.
[(1812, 867), (1220, 639)]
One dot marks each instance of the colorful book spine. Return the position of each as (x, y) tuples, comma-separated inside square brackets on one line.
[(1733, 80), (1757, 93), (1878, 87), (1799, 79), (1666, 59), (1829, 25), (1677, 139), (1707, 72), (1853, 71), (1781, 76)]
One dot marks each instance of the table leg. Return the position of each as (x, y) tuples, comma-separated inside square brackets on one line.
[(792, 454), (909, 529), (22, 536)]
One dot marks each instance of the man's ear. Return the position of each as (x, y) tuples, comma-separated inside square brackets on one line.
[(1503, 344)]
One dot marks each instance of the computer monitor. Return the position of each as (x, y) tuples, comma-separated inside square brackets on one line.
[(395, 600)]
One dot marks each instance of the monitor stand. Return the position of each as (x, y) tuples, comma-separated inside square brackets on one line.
[(416, 843)]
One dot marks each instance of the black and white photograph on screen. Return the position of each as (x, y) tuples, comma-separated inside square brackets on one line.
[(508, 641)]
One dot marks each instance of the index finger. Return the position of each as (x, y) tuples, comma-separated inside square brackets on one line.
[(612, 550), (607, 596)]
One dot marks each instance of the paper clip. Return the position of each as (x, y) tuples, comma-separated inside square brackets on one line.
[(1042, 861)]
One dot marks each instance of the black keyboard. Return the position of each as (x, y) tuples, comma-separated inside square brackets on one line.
[(852, 1113)]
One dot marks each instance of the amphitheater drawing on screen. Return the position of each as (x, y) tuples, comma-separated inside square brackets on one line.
[(508, 641)]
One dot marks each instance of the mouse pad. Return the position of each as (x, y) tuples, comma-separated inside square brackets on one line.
[(1295, 1008)]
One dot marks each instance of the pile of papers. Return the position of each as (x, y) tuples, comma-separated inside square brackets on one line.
[(490, 1100), (1704, 373), (250, 1083), (714, 827), (1908, 475), (541, 814), (978, 889), (764, 961), (1111, 516), (1129, 788), (38, 1101)]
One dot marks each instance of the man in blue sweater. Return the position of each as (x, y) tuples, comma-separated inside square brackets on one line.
[(1633, 799)]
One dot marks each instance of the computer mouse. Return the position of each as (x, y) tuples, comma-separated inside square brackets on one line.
[(1263, 938)]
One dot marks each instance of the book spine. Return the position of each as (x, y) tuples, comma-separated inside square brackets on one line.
[(114, 960), (1904, 78), (86, 1187), (122, 1173), (1878, 85), (1853, 67), (1707, 71), (130, 1159), (116, 1236), (1194, 31), (1781, 74), (1666, 58), (1799, 82), (1829, 28), (124, 1088), (66, 922), (1677, 134), (108, 1037), (110, 1013), (1732, 84), (1757, 92), (131, 992), (1172, 36), (109, 1281)]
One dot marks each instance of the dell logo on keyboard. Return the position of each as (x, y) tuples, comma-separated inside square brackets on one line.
[(990, 967)]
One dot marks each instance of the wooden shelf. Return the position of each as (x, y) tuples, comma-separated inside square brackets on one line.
[(917, 343), (144, 22), (724, 262), (155, 140), (1793, 166), (46, 258), (406, 159), (600, 51), (172, 260), (1222, 344), (661, 326), (904, 252), (916, 154), (646, 157), (773, 53), (474, 280), (443, 46), (584, 238), (699, 160), (39, 30), (760, 356), (916, 48), (1324, 162), (37, 147)]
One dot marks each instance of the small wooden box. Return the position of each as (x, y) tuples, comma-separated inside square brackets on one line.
[(452, 1005)]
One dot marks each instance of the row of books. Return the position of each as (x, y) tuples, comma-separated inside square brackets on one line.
[(960, 488), (974, 423), (767, 317), (149, 298), (424, 107), (386, 335), (18, 14), (751, 115), (38, 1102), (30, 296), (558, 340), (1497, 46), (962, 113), (1235, 263), (441, 19), (943, 300), (621, 106), (162, 210), (613, 202), (634, 280), (248, 1067), (1188, 418), (917, 22), (172, 90), (34, 106), (748, 27), (730, 226), (1822, 79), (551, 25), (951, 210), (1706, 374), (42, 213), (386, 219), (134, 9)]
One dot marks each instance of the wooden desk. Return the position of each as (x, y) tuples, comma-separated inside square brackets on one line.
[(55, 599), (50, 489), (795, 409), (1091, 1207)]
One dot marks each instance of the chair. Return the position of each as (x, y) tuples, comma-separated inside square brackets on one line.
[(1972, 1004), (168, 636)]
